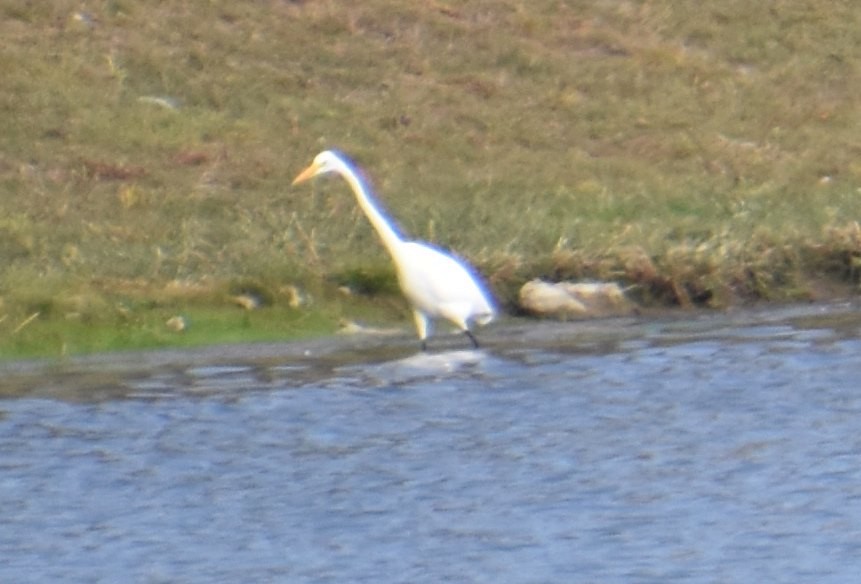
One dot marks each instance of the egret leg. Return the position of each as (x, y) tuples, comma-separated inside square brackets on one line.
[(471, 338), (421, 321)]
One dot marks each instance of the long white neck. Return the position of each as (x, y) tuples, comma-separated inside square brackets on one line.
[(390, 237)]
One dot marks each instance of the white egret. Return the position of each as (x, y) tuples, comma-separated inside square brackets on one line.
[(436, 284)]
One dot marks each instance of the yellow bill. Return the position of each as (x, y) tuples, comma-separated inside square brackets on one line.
[(306, 174)]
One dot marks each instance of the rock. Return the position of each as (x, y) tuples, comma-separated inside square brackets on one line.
[(177, 323), (247, 301), (350, 327), (295, 298), (574, 300)]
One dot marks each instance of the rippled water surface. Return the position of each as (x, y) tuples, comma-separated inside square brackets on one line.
[(718, 448)]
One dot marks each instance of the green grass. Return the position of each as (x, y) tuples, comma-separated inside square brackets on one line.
[(205, 326), (703, 155), (61, 324)]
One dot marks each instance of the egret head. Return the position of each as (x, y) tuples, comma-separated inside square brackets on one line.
[(326, 161)]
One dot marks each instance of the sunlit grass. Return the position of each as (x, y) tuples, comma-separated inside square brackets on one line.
[(697, 154)]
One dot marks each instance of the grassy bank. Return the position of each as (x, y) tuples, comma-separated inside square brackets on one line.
[(702, 155)]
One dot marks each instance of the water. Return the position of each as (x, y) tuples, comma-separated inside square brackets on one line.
[(698, 448)]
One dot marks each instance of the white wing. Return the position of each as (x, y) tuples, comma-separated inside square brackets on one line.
[(441, 285)]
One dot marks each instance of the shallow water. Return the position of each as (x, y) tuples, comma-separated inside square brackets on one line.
[(697, 448)]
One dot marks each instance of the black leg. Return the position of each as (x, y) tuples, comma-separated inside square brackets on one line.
[(472, 338), (424, 345)]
